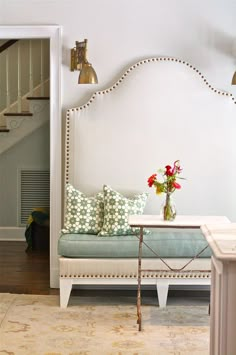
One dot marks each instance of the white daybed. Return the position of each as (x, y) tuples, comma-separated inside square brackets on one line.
[(160, 110)]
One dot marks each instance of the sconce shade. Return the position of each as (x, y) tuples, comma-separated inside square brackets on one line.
[(87, 75), (234, 79)]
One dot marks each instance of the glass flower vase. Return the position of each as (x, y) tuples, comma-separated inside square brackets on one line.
[(168, 209)]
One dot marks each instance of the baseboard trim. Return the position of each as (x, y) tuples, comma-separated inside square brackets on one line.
[(12, 234)]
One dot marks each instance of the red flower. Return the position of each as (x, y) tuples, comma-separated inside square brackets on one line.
[(176, 185), (151, 180), (169, 171)]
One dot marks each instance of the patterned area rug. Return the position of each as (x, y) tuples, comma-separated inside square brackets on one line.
[(35, 325)]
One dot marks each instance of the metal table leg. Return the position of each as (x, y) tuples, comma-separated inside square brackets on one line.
[(139, 314)]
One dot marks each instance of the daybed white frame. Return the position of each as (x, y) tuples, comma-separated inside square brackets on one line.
[(124, 272), (121, 134)]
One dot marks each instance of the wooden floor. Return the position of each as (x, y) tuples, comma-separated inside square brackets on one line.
[(28, 273), (22, 272)]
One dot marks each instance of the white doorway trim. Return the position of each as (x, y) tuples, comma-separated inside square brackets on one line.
[(53, 33)]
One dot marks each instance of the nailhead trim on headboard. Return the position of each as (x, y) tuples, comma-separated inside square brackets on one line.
[(159, 59), (114, 86)]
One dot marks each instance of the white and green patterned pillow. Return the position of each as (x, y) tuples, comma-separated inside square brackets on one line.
[(117, 209), (84, 215)]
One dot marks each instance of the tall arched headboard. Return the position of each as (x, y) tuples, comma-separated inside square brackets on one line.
[(160, 110)]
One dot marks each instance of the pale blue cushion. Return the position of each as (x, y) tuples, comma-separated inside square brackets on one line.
[(168, 243)]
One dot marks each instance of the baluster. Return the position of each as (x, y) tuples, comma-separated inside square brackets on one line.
[(41, 69), (19, 98), (7, 83), (31, 85), (1, 118), (0, 77)]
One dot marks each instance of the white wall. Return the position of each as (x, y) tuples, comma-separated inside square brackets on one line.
[(124, 31)]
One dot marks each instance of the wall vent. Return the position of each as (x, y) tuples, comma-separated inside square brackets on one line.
[(34, 192)]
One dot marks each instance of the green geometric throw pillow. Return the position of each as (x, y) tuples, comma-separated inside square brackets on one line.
[(84, 215), (117, 209)]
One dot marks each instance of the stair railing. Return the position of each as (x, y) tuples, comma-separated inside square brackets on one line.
[(15, 92)]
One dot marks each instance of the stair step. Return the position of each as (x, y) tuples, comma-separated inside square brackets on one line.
[(38, 98), (18, 114), (4, 130)]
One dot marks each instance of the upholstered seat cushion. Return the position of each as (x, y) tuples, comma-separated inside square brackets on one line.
[(168, 244)]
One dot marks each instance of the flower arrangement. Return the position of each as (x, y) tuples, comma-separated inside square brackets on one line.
[(168, 186)]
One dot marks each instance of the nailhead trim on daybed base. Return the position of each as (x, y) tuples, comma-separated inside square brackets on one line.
[(99, 272)]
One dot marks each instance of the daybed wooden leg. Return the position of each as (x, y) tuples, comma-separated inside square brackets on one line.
[(162, 292), (65, 290)]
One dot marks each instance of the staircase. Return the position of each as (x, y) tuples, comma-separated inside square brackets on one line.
[(24, 89)]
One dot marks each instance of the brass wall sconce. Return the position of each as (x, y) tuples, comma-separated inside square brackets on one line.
[(234, 79), (79, 62)]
